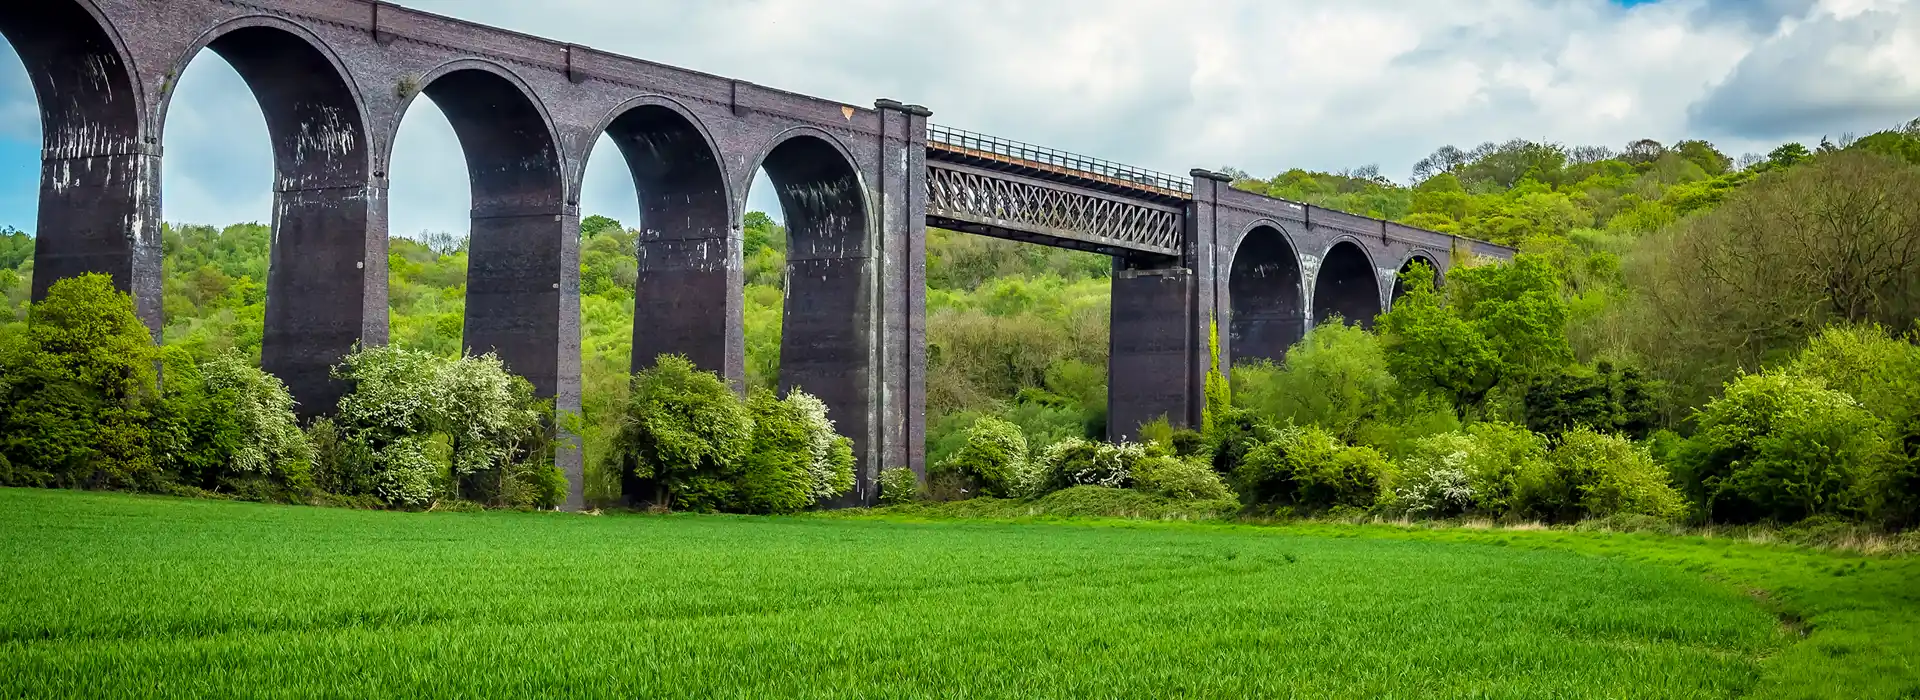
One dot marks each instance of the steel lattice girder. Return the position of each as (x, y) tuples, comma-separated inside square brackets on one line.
[(1052, 210)]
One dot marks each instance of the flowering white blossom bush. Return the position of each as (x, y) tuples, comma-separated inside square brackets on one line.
[(262, 409), (829, 475), (408, 470), (402, 396), (1078, 462)]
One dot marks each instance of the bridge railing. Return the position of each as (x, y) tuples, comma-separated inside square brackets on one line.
[(970, 142)]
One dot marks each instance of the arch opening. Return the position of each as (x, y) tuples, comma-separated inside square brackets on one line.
[(687, 281), (325, 265), (1399, 281), (826, 312), (522, 259), (1266, 308), (96, 211), (1346, 287)]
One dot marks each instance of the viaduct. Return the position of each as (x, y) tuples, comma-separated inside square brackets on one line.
[(858, 188)]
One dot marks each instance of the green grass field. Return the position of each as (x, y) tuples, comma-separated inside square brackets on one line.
[(112, 595)]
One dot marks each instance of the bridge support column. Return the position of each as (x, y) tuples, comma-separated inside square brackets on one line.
[(327, 288), (523, 302), (102, 214), (1150, 360)]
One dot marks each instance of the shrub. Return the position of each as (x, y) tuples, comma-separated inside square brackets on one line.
[(1477, 470), (1336, 377), (271, 441), (684, 430), (1232, 435), (1625, 480), (1595, 475), (1436, 482), (774, 476), (1883, 374), (1310, 468), (995, 452), (1077, 462), (77, 390), (1177, 478), (492, 433), (898, 486), (1782, 447)]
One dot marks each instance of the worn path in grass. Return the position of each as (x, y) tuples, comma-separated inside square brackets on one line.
[(112, 595)]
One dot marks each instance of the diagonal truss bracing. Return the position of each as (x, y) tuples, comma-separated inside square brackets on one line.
[(1012, 206)]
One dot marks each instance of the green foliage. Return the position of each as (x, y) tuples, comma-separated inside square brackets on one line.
[(1883, 374), (898, 486), (1748, 284), (1177, 478), (1335, 378), (16, 248), (433, 427), (1077, 462), (773, 476), (1312, 469), (223, 423), (1605, 398), (77, 388), (1783, 447), (1593, 475), (683, 433), (1235, 434), (1430, 348), (994, 454), (1475, 471), (1218, 394)]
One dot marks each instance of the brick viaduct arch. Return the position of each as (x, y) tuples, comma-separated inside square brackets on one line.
[(335, 77)]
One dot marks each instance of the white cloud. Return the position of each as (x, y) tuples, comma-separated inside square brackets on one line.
[(1263, 85)]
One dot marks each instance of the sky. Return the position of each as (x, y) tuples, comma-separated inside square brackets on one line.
[(1258, 85)]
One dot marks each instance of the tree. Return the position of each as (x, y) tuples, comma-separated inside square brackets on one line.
[(1430, 348), (1336, 377), (1782, 447), (1703, 154), (78, 387), (684, 433), (16, 248), (437, 426), (1788, 155), (596, 224), (1603, 398), (1836, 241)]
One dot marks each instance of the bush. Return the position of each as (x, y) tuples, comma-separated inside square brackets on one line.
[(77, 389), (431, 427), (1595, 475), (1477, 470), (683, 434), (1232, 435), (1336, 377), (773, 477), (227, 421), (1177, 478), (1883, 374), (1077, 462), (898, 485), (995, 452), (1783, 447), (1310, 468)]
